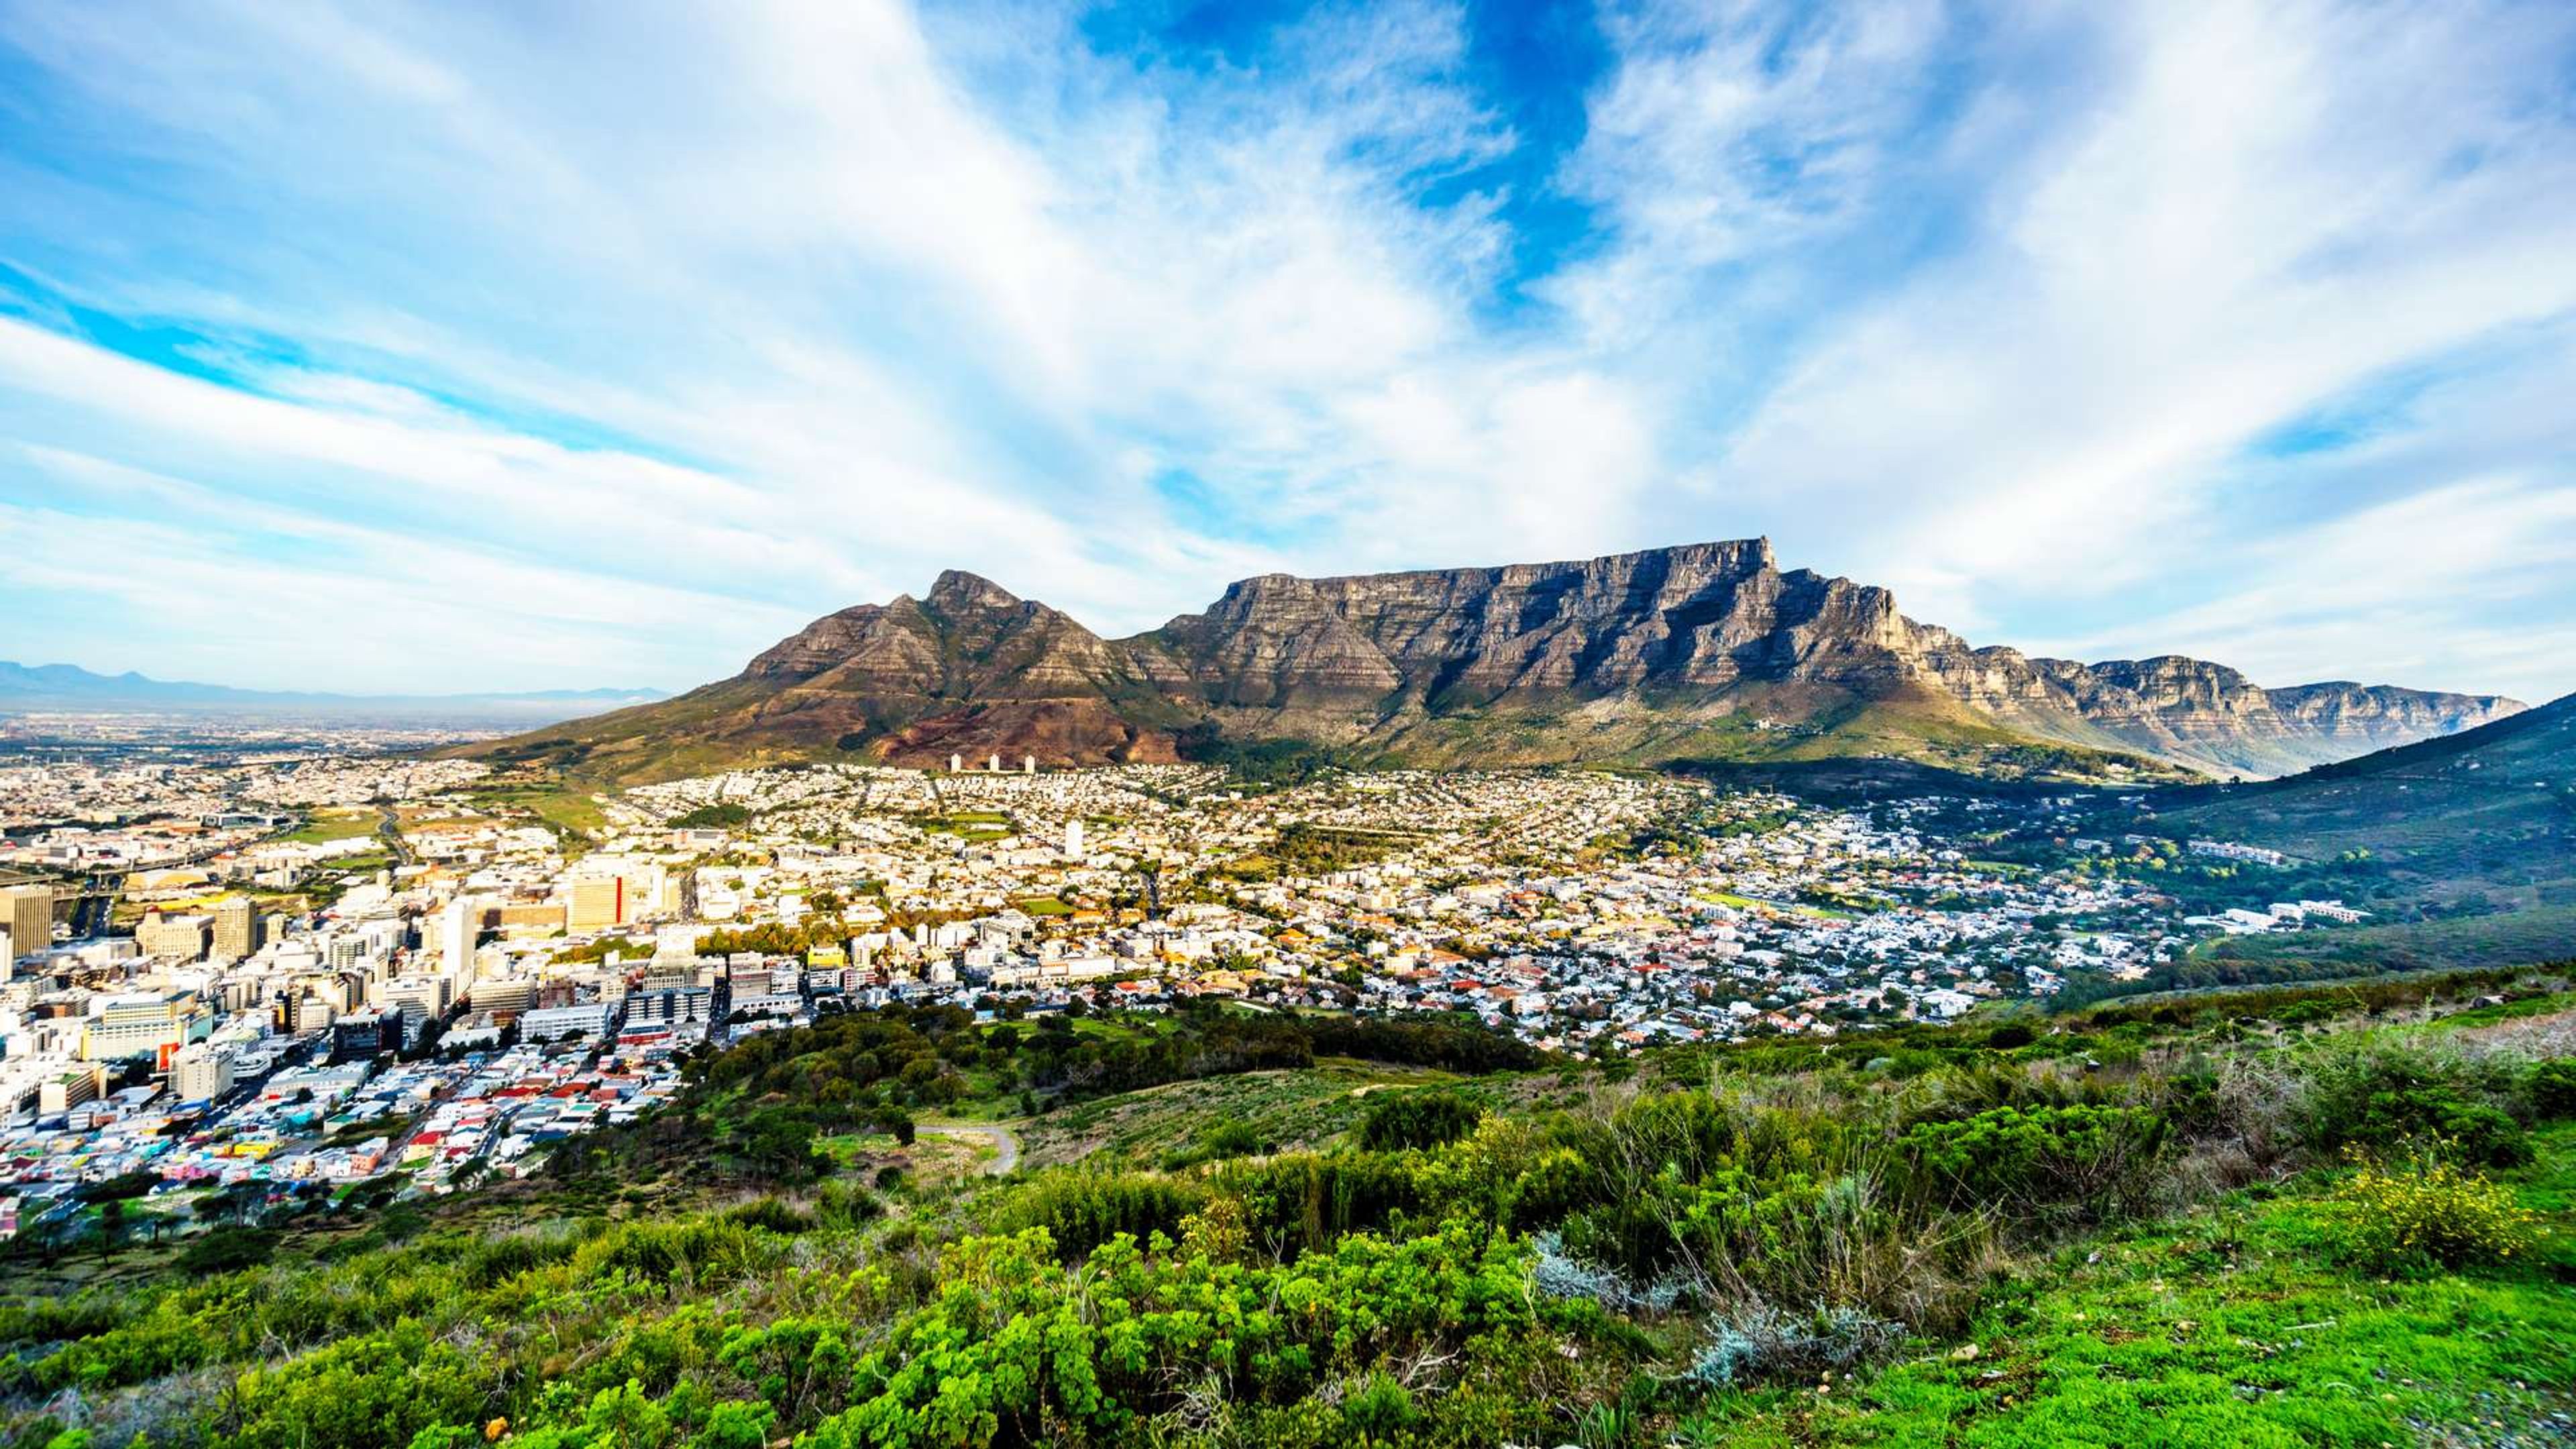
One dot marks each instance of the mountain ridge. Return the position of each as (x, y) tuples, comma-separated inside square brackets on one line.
[(1650, 656), (70, 687)]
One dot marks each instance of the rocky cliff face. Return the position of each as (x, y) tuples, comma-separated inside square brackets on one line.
[(1660, 654), (2194, 712), (1700, 617), (1691, 624)]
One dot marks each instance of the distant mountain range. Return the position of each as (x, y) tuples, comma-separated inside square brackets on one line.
[(1705, 651), (55, 687)]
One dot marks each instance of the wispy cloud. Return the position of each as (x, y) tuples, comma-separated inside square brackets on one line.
[(655, 332)]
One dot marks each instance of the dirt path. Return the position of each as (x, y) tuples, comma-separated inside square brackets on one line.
[(1006, 1144)]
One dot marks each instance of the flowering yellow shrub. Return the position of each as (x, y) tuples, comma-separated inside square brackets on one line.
[(2428, 1208)]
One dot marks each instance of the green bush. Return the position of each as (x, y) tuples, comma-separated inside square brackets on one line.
[(2382, 1097), (2092, 1160), (228, 1250), (1080, 1211), (1399, 1120), (1013, 1349), (2553, 1087)]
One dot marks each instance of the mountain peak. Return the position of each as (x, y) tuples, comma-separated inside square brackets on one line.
[(956, 589)]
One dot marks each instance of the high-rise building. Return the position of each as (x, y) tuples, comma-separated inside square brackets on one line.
[(199, 1073), (1073, 839), (237, 928), (596, 903), (29, 913), (179, 938), (154, 1024), (459, 925)]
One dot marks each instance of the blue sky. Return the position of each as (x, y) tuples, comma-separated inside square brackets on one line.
[(455, 347)]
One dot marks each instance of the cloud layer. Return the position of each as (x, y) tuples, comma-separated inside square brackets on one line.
[(433, 347)]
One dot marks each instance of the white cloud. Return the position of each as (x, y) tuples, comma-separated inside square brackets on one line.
[(788, 307)]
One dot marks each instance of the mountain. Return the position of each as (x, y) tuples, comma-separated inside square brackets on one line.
[(49, 688), (2490, 807), (1695, 652)]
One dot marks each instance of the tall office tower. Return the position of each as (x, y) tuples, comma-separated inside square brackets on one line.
[(1073, 839), (29, 914), (1028, 764), (956, 763), (459, 924), (237, 928)]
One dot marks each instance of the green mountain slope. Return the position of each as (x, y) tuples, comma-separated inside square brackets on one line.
[(2493, 808)]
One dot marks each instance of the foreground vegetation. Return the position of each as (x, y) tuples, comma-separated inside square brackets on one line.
[(2291, 1216)]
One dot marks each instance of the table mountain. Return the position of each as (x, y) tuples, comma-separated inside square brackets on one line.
[(1703, 650)]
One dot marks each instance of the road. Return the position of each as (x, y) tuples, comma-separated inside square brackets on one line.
[(389, 827), (1006, 1147)]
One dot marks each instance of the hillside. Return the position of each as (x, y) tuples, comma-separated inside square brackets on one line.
[(1700, 652), (2192, 1223), (2490, 808)]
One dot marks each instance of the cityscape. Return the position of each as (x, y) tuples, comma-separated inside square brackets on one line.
[(320, 966)]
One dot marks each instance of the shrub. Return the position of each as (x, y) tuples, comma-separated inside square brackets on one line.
[(2553, 1088), (2095, 1160), (1761, 1344), (1307, 1200), (1082, 1210), (2426, 1208), (228, 1250), (1010, 1349), (2384, 1097), (1417, 1119)]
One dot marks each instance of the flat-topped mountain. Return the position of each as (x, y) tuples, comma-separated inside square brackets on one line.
[(1700, 651)]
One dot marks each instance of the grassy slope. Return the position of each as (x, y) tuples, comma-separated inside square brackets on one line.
[(2507, 938), (2229, 1326), (2494, 804), (1289, 1109), (2490, 811)]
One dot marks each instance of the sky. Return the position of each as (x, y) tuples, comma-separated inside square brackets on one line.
[(454, 346)]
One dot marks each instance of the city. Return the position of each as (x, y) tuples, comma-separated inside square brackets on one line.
[(330, 970)]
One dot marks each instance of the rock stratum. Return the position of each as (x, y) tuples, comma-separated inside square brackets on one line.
[(1704, 651)]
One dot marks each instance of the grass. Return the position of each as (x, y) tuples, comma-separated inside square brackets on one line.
[(1289, 1109), (2507, 938), (566, 809), (1795, 908), (333, 825), (2234, 1325)]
